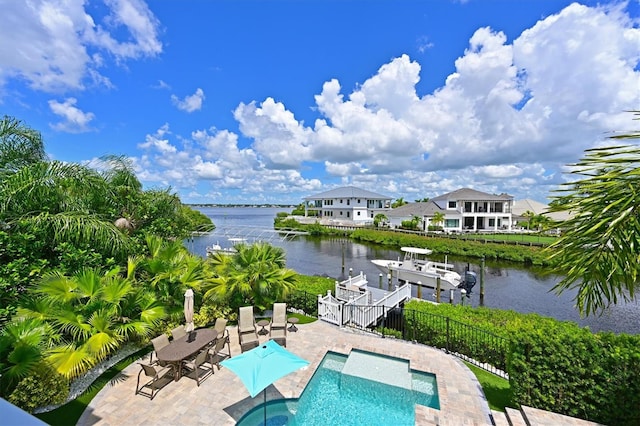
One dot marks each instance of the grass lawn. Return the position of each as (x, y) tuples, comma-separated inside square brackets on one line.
[(69, 413), (521, 238), (496, 389), (302, 319)]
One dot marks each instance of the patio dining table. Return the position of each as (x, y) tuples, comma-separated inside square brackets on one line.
[(185, 347)]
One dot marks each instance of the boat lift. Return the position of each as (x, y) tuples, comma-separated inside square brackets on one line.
[(255, 233)]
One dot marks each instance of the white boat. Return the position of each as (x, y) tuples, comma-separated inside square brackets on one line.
[(217, 248), (416, 268)]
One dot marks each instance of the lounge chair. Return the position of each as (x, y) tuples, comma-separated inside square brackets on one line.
[(279, 335), (248, 341), (178, 332), (247, 332), (246, 320), (155, 373), (197, 366), (158, 343), (279, 319), (223, 333)]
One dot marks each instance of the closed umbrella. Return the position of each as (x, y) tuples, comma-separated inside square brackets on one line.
[(261, 366), (188, 310)]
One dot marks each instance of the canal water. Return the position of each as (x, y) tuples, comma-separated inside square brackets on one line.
[(507, 285)]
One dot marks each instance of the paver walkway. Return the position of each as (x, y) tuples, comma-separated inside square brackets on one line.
[(222, 399)]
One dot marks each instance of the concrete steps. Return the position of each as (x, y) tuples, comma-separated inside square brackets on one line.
[(515, 417), (529, 416), (499, 418)]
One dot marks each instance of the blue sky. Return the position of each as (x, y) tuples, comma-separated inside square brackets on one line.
[(272, 101)]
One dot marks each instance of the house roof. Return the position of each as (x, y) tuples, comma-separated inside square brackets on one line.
[(348, 192), (414, 209), (468, 194), (521, 206)]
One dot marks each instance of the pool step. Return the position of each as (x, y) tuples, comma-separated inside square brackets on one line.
[(390, 371)]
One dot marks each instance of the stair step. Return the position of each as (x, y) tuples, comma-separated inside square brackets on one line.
[(499, 418), (515, 417), (391, 371)]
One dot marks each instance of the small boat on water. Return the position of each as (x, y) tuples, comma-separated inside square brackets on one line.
[(217, 248), (416, 268)]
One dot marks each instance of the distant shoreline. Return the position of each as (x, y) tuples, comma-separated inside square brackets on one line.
[(270, 206)]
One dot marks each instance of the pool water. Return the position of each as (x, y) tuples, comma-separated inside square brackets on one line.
[(353, 390)]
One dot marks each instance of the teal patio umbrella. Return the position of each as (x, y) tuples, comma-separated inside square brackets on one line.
[(261, 366)]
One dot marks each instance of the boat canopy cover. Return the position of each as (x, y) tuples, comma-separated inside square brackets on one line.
[(416, 250)]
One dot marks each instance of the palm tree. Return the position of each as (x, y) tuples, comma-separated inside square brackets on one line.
[(438, 217), (19, 146), (529, 215), (600, 240), (380, 217), (91, 314), (22, 343), (398, 202), (170, 270), (256, 275)]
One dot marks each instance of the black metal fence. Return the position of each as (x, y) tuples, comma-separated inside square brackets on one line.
[(472, 344)]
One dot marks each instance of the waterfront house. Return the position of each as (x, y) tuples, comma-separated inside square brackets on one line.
[(347, 204), (464, 210)]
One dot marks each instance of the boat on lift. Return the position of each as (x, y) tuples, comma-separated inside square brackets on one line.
[(416, 268), (217, 248)]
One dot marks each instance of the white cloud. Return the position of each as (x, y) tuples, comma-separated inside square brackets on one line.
[(74, 119), (190, 103), (56, 46), (279, 138), (162, 85), (509, 117)]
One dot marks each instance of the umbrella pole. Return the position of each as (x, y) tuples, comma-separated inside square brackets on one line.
[(265, 406)]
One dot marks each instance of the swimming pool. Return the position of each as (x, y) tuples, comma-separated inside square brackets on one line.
[(361, 388)]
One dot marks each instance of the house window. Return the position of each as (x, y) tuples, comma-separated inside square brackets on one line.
[(347, 214), (451, 223), (358, 201), (453, 204), (358, 213), (468, 206), (492, 222), (340, 201), (348, 202), (340, 213)]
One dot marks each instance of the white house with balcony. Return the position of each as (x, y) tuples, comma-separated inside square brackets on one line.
[(463, 210), (347, 204)]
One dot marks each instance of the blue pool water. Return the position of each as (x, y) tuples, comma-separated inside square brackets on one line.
[(338, 394)]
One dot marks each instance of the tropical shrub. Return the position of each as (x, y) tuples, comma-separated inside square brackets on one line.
[(256, 275), (45, 386), (208, 313), (90, 315)]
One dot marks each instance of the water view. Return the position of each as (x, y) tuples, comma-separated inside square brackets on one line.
[(507, 286)]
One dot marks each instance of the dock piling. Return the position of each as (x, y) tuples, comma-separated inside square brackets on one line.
[(482, 282)]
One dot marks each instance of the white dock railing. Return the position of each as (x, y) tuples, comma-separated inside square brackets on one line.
[(354, 303), (330, 309)]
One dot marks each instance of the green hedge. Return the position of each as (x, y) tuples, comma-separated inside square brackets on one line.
[(577, 373), (552, 365), (451, 246)]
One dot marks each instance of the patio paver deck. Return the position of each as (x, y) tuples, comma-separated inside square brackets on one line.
[(222, 399)]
